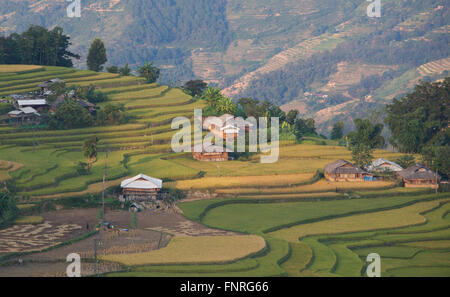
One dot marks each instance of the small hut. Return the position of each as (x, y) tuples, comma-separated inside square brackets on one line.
[(342, 170), (140, 188), (214, 153), (419, 175)]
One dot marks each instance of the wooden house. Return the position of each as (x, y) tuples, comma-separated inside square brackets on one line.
[(383, 165), (342, 170), (140, 188), (227, 126), (214, 153), (23, 116), (419, 175)]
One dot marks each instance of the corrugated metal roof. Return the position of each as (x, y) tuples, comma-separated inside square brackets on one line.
[(142, 181), (381, 161), (32, 102)]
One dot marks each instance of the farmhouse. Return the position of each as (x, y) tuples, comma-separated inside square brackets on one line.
[(214, 153), (383, 165), (342, 170), (140, 188), (227, 126), (38, 104), (419, 175), (26, 115)]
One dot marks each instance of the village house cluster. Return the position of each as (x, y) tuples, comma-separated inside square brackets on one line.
[(227, 127), (30, 107), (417, 175)]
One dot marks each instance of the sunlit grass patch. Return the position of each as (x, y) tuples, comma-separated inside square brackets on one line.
[(201, 249)]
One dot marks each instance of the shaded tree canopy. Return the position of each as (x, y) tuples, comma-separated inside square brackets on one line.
[(420, 118), (366, 134), (195, 87), (37, 46), (338, 130)]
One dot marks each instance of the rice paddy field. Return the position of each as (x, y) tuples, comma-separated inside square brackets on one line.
[(286, 220)]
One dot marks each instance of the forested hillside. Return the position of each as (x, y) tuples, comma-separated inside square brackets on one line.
[(325, 58)]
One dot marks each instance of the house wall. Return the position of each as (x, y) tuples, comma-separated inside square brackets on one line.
[(139, 195), (345, 177), (211, 157), (420, 184)]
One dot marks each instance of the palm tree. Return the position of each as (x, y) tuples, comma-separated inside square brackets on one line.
[(212, 96), (149, 72)]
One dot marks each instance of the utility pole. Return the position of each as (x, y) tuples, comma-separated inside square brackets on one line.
[(95, 257), (103, 187), (437, 186)]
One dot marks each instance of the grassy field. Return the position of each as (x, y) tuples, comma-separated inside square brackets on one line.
[(184, 250)]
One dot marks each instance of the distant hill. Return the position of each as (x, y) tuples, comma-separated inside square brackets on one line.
[(275, 50)]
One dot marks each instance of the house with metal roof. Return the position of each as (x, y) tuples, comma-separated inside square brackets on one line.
[(419, 175), (383, 165), (26, 115), (227, 126), (38, 104), (140, 188), (342, 170)]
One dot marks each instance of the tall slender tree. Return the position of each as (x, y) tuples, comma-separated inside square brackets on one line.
[(97, 55)]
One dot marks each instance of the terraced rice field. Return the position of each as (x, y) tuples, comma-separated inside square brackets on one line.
[(435, 67), (299, 225)]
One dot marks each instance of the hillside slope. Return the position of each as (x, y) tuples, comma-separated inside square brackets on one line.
[(273, 50)]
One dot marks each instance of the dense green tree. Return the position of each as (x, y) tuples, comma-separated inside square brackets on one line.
[(304, 127), (338, 131), (364, 140), (96, 55), (149, 72), (90, 150), (251, 107), (90, 93), (420, 118), (291, 116), (405, 161), (125, 70), (212, 96), (112, 69), (37, 46), (225, 105), (195, 87), (437, 158), (362, 155), (8, 208), (70, 115), (113, 114)]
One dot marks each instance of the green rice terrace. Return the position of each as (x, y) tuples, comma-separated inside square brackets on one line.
[(280, 219)]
